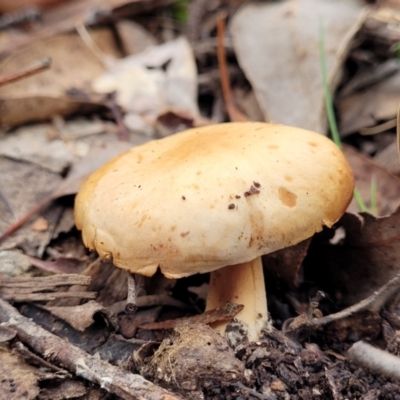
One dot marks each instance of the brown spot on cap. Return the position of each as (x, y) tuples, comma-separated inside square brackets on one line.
[(183, 234), (313, 144), (231, 206), (288, 198)]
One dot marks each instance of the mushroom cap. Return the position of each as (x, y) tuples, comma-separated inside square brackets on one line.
[(213, 196)]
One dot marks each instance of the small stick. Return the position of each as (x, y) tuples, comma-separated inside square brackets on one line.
[(131, 306), (376, 360), (59, 351), (234, 114), (35, 68)]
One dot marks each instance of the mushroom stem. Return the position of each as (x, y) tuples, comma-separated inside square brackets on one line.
[(241, 284)]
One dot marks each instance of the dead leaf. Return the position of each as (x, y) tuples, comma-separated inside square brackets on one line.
[(64, 19), (388, 185), (61, 265), (18, 379), (62, 89), (134, 37), (23, 185), (366, 259), (286, 263), (366, 108), (283, 63), (388, 158), (34, 144), (81, 317), (160, 77)]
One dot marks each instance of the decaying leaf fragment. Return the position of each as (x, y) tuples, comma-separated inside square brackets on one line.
[(18, 380)]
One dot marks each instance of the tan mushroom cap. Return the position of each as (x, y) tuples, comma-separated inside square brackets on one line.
[(213, 196)]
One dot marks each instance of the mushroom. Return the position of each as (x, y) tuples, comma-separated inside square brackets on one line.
[(215, 199)]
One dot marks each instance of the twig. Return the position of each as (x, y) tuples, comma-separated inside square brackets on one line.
[(373, 303), (29, 356), (56, 350), (376, 360), (131, 307), (35, 68), (234, 114), (45, 282), (150, 300), (26, 288)]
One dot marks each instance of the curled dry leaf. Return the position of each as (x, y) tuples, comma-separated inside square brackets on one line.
[(81, 317)]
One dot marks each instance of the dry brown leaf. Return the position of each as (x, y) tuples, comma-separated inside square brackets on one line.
[(23, 185), (65, 18), (367, 258), (18, 380), (63, 89), (388, 158), (388, 185), (277, 45), (366, 108), (286, 263), (81, 317), (62, 265)]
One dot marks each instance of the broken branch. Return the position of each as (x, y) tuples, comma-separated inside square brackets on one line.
[(57, 350)]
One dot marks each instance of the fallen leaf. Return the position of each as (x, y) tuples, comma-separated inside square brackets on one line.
[(62, 265), (388, 185), (63, 89), (388, 158), (366, 259), (161, 77), (19, 380), (82, 316), (283, 63), (34, 144), (366, 108), (286, 263)]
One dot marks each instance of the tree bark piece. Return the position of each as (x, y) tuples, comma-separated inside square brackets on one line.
[(56, 350)]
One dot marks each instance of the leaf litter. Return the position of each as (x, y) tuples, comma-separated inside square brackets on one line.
[(341, 286)]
